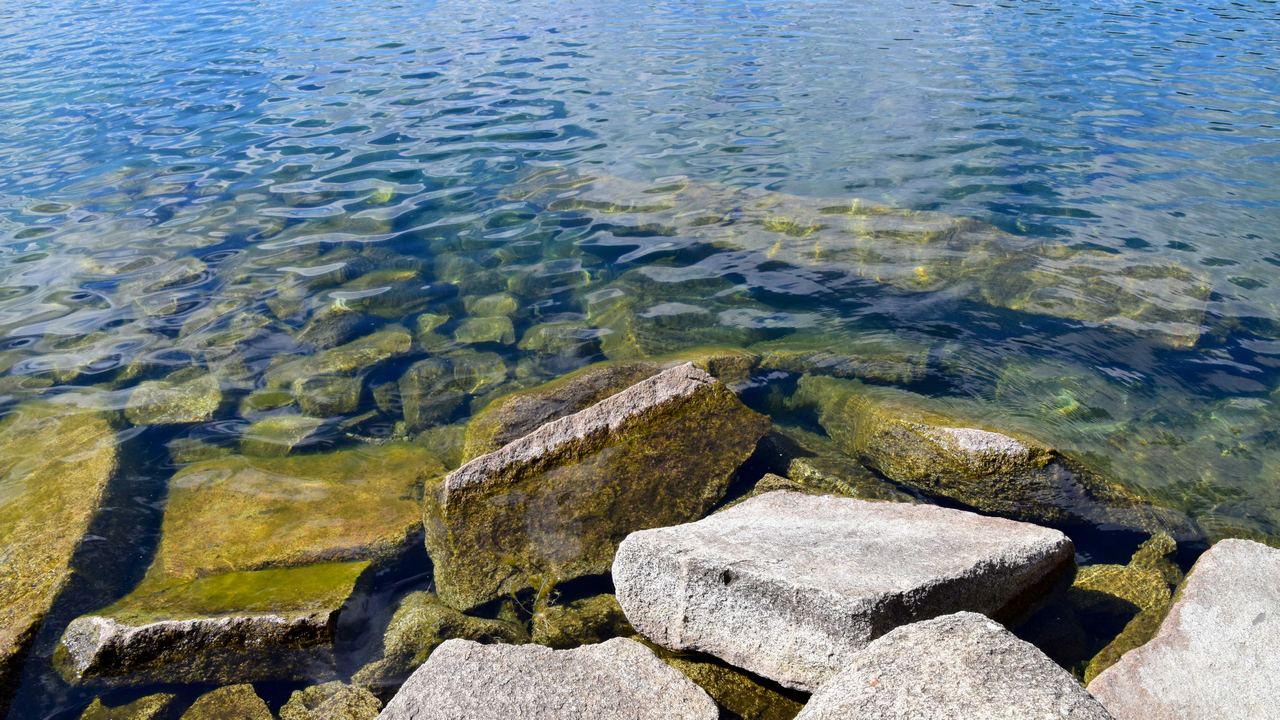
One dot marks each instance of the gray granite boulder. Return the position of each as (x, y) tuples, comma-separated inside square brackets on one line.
[(1217, 653), (616, 680), (957, 666), (790, 586)]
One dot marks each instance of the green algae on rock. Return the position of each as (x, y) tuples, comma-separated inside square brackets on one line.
[(333, 326), (278, 435), (234, 701), (878, 357), (814, 464), (581, 622), (55, 468), (349, 359), (328, 395), (164, 402), (420, 624), (734, 690), (150, 707), (481, 330), (554, 504), (331, 701)]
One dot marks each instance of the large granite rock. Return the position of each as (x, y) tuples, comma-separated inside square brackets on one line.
[(958, 666), (1215, 655), (617, 680), (554, 504), (256, 559), (790, 586), (55, 465)]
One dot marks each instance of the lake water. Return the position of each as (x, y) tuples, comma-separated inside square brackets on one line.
[(1075, 208)]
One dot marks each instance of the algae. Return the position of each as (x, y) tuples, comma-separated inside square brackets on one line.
[(150, 707), (279, 435), (234, 701), (164, 402), (331, 701)]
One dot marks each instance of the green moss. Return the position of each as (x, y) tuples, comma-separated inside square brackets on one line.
[(151, 707), (428, 394), (278, 435), (331, 701), (162, 402), (334, 325), (234, 701), (55, 464), (581, 622), (427, 337), (189, 450)]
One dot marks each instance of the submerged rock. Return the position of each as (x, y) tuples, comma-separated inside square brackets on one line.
[(278, 435), (790, 586), (878, 357), (420, 624), (554, 504), (734, 690), (165, 402), (234, 701), (331, 701), (1215, 653), (356, 356), (619, 679), (957, 666), (327, 396), (428, 393), (477, 330), (150, 707), (334, 326), (55, 465), (580, 622)]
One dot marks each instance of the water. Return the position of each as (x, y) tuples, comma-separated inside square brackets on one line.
[(184, 186)]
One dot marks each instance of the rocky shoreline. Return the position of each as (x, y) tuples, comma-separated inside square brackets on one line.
[(612, 545)]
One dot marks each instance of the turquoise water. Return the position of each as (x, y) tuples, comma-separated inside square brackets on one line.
[(186, 186)]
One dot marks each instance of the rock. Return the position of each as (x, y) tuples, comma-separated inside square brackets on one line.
[(427, 337), (333, 326), (163, 402), (496, 305), (279, 435), (791, 586), (581, 622), (262, 400), (331, 701), (617, 680), (238, 702), (742, 694), (476, 373), (1215, 653), (814, 462), (878, 357), (327, 396), (475, 330), (562, 338), (916, 443), (554, 504), (55, 466), (957, 666), (150, 707), (428, 394), (257, 556), (420, 624), (349, 359)]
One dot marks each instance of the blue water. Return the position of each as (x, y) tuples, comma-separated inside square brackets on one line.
[(1101, 138)]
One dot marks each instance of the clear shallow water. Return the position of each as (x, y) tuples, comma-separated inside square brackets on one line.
[(177, 181)]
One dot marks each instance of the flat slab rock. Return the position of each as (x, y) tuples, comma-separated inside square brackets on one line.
[(1217, 653), (615, 680), (957, 666), (792, 586)]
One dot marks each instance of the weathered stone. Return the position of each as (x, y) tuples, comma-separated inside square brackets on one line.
[(162, 402), (790, 586), (420, 624), (333, 326), (349, 359), (554, 504), (234, 701), (476, 373), (55, 466), (331, 701), (957, 666), (150, 707), (327, 396), (475, 330), (278, 435), (581, 622), (617, 680), (1215, 653)]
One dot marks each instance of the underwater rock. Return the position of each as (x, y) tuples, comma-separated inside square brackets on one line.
[(620, 678), (734, 690), (328, 396), (914, 442), (420, 624), (331, 701), (816, 466), (878, 357), (1215, 653), (264, 400), (554, 504), (562, 338), (480, 330), (580, 622), (790, 586), (428, 339), (496, 305), (55, 465), (334, 325), (150, 707), (278, 435), (165, 402), (957, 666), (349, 359), (428, 393), (234, 701)]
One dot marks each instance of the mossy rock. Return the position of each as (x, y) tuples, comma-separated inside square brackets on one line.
[(279, 435), (234, 701), (56, 463), (328, 396), (427, 335), (562, 338), (878, 357), (496, 305), (581, 622), (428, 394), (334, 325), (188, 450), (812, 463), (485, 330), (422, 622), (354, 357), (331, 701), (150, 707), (264, 400), (163, 402)]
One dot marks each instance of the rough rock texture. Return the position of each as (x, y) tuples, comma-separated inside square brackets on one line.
[(617, 680), (790, 586), (238, 702), (554, 504), (420, 624), (151, 707), (331, 701), (954, 667), (163, 402), (1215, 655), (55, 464)]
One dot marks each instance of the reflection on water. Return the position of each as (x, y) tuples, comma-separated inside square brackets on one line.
[(366, 222)]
